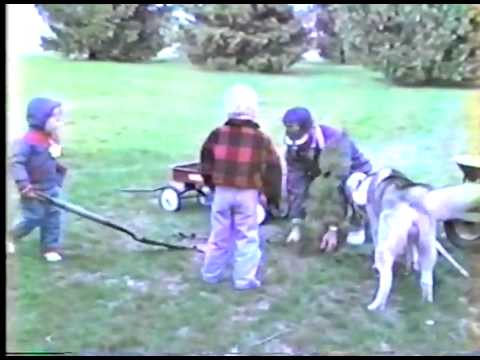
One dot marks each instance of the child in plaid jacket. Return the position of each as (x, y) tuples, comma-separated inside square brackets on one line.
[(239, 161)]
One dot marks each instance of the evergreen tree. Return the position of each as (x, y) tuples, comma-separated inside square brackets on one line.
[(120, 32), (414, 43), (329, 42), (244, 37)]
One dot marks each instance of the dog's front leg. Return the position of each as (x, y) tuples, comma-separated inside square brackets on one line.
[(426, 283), (428, 259), (384, 265), (384, 258)]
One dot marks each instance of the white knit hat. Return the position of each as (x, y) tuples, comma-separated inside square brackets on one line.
[(241, 103)]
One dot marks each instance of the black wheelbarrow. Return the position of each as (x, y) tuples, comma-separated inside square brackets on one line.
[(466, 234)]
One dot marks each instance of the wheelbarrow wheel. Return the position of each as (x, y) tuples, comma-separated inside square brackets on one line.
[(463, 234), (169, 199)]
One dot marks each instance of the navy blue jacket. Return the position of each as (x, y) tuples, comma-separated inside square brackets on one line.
[(31, 162)]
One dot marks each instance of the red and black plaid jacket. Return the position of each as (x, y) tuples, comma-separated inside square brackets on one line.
[(238, 154)]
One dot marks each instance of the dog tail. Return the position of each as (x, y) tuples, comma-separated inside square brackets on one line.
[(454, 202)]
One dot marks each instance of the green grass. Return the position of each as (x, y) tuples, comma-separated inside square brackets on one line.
[(127, 125)]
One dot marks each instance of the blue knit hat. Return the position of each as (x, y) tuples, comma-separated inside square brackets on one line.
[(39, 111), (298, 116)]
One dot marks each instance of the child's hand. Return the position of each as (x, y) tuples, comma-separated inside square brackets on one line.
[(29, 192), (329, 241)]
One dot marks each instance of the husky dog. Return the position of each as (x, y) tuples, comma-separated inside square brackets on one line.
[(403, 219)]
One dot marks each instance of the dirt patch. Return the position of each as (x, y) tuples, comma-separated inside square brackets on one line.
[(82, 278), (175, 284), (242, 315), (102, 279), (273, 233)]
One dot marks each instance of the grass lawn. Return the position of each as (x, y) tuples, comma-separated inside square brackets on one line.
[(127, 124)]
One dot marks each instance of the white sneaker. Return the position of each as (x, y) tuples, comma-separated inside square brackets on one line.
[(10, 247), (250, 285), (356, 237), (52, 256)]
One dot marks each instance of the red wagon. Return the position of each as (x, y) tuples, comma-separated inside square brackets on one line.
[(187, 183)]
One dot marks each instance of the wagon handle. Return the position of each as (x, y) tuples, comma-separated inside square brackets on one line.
[(136, 190)]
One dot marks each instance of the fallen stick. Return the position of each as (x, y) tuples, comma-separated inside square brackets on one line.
[(271, 337), (75, 209)]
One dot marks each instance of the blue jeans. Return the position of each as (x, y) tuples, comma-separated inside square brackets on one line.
[(36, 213), (297, 190)]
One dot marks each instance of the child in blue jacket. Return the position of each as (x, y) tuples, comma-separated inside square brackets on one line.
[(34, 168)]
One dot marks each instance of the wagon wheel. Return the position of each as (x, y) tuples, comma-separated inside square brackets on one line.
[(169, 199), (463, 234)]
